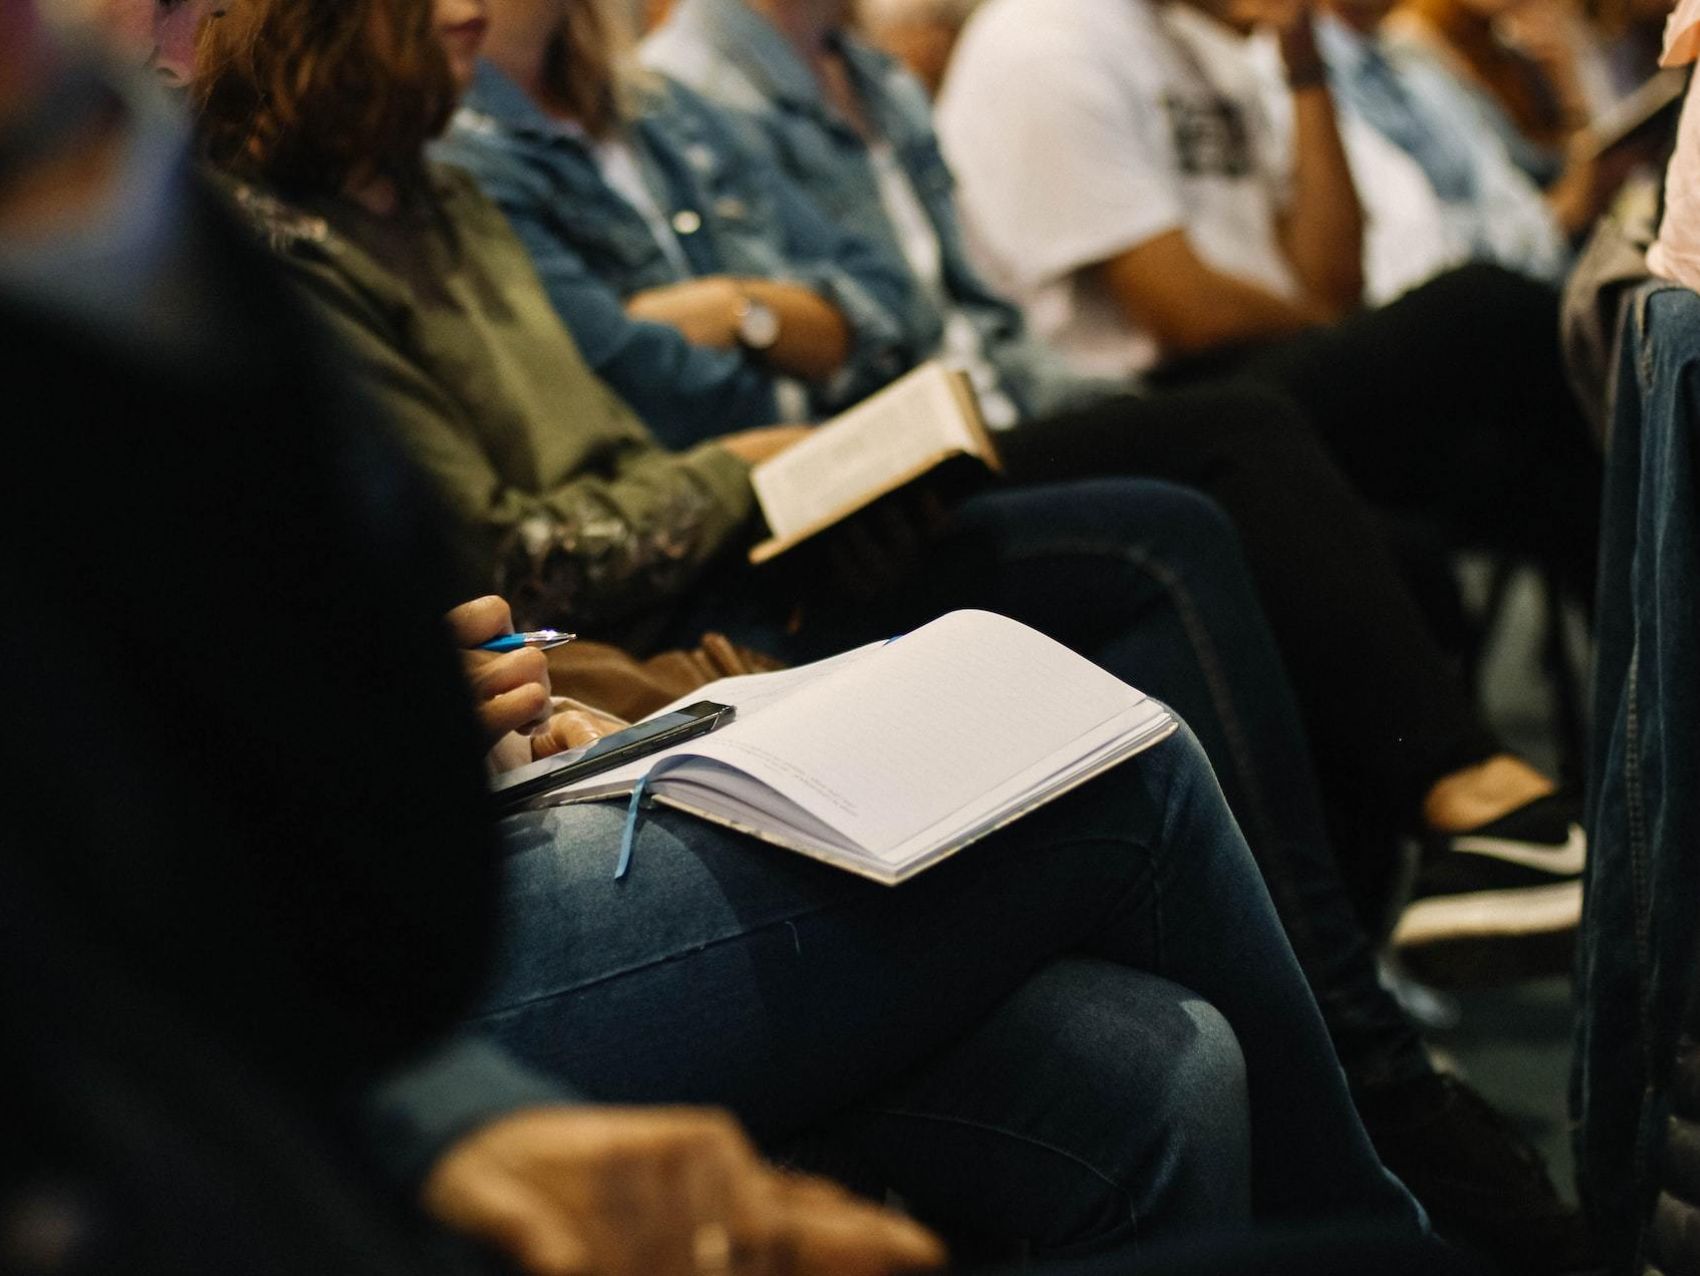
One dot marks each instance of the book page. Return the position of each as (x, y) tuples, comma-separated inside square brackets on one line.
[(1656, 95), (750, 693), (956, 715), (913, 421)]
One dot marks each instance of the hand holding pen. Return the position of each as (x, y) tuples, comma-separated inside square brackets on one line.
[(508, 672), (537, 639)]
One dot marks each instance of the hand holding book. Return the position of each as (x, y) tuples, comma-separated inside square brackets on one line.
[(881, 445)]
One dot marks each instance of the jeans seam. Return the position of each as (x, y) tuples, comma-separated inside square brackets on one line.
[(1017, 1136), (1635, 820), (821, 910), (1293, 916), (639, 967)]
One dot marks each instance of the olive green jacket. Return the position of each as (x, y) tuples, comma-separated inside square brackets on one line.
[(569, 506)]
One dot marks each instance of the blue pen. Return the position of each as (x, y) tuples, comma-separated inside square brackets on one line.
[(542, 639)]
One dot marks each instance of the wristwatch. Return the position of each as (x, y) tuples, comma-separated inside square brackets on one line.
[(757, 325)]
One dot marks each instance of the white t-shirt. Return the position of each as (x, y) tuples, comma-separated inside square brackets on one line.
[(1078, 129), (621, 169), (1410, 235), (1675, 255), (962, 347)]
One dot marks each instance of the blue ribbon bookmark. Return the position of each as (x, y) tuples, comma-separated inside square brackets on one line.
[(640, 799)]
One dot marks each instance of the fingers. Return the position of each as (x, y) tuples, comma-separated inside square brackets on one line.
[(480, 620), (809, 1227), (659, 1192), (512, 690), (478, 1198), (673, 1190), (569, 729)]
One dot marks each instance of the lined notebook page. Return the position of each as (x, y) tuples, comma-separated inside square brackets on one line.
[(750, 693), (911, 421), (945, 718)]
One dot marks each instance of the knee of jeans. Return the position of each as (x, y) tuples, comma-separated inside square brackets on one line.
[(1180, 762), (1205, 1096), (1191, 527), (1158, 1072), (1496, 300)]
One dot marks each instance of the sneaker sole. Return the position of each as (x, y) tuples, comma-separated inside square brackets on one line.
[(1491, 937), (1532, 911)]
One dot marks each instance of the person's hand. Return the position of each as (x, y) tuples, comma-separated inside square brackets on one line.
[(1541, 31), (755, 446), (1589, 182), (572, 728), (704, 310), (510, 689), (658, 1192)]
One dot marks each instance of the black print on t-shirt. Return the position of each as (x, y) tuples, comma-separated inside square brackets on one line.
[(1211, 136)]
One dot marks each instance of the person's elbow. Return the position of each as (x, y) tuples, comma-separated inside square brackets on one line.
[(828, 347), (1189, 327), (1169, 294), (1337, 288)]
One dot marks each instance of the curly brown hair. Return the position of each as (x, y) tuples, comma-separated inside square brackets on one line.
[(307, 95)]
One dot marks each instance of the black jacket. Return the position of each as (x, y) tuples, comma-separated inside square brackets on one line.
[(244, 862)]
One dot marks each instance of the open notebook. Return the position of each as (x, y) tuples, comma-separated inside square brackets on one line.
[(1639, 117), (890, 758), (889, 439)]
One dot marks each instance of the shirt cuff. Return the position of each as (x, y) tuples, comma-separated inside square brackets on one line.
[(413, 1114), (727, 476)]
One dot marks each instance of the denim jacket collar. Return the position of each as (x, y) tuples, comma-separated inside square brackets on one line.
[(497, 109), (757, 46), (496, 101)]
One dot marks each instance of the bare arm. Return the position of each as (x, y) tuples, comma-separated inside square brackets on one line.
[(813, 338), (1165, 288), (1322, 233)]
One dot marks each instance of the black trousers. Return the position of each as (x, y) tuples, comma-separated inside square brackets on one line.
[(1449, 404)]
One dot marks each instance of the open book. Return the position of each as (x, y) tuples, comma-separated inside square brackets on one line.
[(887, 440), (890, 758), (1638, 117)]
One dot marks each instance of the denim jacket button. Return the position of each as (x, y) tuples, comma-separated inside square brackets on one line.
[(686, 221)]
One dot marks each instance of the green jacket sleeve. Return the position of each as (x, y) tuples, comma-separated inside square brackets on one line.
[(626, 534)]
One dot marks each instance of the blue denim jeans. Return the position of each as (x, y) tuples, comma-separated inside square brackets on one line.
[(1035, 1040), (1635, 963), (1148, 580)]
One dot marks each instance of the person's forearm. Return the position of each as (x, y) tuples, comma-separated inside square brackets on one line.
[(1190, 307), (1323, 232), (1233, 312), (813, 339)]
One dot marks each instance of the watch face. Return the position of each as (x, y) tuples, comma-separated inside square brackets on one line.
[(758, 325)]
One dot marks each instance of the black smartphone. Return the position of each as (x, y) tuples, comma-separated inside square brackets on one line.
[(516, 787)]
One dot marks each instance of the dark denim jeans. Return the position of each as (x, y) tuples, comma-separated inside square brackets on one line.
[(1635, 965), (1148, 580), (1034, 1040)]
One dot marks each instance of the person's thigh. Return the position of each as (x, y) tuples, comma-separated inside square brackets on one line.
[(1452, 402), (1096, 1109), (722, 970)]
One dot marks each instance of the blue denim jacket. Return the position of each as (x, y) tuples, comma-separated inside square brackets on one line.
[(728, 52), (732, 215), (1635, 954)]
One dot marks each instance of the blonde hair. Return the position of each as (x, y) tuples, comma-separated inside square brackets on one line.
[(591, 69)]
